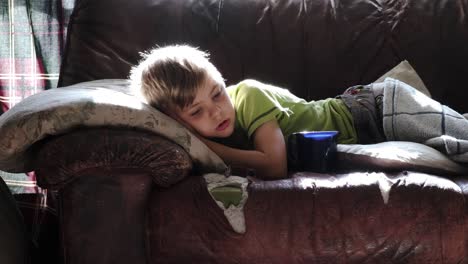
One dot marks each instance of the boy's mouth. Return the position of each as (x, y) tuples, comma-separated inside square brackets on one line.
[(223, 125)]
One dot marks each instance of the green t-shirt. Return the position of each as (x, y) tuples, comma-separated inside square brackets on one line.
[(256, 103)]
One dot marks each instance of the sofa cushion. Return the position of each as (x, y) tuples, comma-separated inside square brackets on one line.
[(90, 104), (406, 73)]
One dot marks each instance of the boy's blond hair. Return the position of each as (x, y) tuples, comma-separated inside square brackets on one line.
[(170, 76)]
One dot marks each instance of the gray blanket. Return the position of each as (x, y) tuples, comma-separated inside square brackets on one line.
[(409, 115)]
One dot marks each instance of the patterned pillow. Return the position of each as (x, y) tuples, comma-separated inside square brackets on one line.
[(88, 104)]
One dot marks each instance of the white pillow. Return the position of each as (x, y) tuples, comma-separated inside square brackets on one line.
[(396, 156)]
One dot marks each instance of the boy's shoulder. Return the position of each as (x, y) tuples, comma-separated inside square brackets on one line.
[(250, 88), (253, 86), (247, 83), (244, 87)]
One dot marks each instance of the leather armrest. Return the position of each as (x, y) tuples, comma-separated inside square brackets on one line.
[(62, 158)]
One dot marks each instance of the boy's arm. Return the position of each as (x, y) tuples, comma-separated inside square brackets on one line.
[(269, 157)]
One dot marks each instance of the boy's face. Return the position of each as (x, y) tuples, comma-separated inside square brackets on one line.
[(211, 113)]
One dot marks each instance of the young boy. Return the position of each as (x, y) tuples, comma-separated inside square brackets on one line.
[(247, 124)]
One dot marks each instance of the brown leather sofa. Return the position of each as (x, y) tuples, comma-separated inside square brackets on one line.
[(14, 242), (112, 211)]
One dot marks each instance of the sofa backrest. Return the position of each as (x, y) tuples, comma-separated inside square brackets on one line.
[(316, 48)]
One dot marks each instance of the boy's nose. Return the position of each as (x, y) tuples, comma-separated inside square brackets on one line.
[(216, 111)]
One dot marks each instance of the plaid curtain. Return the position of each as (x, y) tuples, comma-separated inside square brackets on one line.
[(32, 39)]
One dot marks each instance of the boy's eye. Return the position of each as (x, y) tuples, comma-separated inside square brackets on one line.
[(195, 113), (216, 95)]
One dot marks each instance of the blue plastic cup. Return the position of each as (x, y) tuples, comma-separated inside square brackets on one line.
[(312, 151)]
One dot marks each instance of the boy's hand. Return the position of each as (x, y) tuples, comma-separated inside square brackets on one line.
[(268, 160)]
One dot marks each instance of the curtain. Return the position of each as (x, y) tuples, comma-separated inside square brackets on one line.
[(32, 40)]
